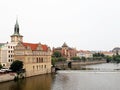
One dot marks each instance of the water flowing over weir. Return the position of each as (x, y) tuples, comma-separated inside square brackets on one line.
[(95, 77)]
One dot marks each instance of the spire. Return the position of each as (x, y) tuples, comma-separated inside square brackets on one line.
[(16, 28), (16, 37), (64, 45)]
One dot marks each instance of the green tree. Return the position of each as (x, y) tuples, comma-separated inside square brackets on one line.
[(53, 61), (16, 66), (1, 66), (109, 58), (83, 59), (62, 59), (56, 54), (98, 55), (75, 58), (116, 58)]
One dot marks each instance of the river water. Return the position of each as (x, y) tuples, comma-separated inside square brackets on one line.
[(93, 77)]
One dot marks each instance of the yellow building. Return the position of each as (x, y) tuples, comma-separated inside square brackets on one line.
[(36, 58)]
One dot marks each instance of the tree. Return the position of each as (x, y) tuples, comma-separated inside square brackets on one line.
[(75, 58), (62, 59), (53, 61), (83, 59), (56, 54), (0, 66), (108, 59), (16, 66), (98, 55), (116, 58)]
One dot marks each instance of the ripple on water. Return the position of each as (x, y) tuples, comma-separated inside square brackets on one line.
[(105, 79)]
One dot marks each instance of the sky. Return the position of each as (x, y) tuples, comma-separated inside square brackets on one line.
[(82, 24)]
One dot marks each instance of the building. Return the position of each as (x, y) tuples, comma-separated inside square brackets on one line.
[(116, 50), (7, 49), (1, 61), (108, 53), (66, 51), (84, 53), (7, 54), (35, 57)]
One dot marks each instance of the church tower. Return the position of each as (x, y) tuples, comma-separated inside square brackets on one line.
[(16, 37)]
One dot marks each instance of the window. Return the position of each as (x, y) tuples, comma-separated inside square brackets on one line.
[(8, 51), (42, 66), (9, 56), (33, 67), (37, 60), (42, 59), (45, 66), (37, 67), (9, 60)]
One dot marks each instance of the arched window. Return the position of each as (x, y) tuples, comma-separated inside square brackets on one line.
[(33, 67), (37, 60), (37, 67)]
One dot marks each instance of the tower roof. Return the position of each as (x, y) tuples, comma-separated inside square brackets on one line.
[(64, 45), (16, 29)]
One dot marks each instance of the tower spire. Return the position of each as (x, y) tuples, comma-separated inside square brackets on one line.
[(16, 28), (16, 37)]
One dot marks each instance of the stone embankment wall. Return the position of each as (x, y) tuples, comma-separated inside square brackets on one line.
[(89, 62), (7, 77), (64, 65)]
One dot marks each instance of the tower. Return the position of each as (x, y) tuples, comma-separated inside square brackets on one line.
[(16, 37)]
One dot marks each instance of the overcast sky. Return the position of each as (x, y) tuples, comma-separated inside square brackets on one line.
[(84, 24)]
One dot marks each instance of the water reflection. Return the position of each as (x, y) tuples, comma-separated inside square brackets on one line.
[(84, 80), (42, 82)]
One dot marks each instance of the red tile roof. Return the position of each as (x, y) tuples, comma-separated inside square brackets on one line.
[(34, 46)]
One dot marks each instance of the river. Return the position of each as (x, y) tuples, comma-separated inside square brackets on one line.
[(92, 77)]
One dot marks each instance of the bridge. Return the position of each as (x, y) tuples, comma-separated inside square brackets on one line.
[(69, 64)]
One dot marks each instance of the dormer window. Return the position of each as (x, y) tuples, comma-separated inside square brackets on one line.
[(39, 47)]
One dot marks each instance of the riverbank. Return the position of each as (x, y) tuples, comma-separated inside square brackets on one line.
[(64, 65), (7, 77)]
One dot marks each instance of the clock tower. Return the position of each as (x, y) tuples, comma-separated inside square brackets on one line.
[(16, 37)]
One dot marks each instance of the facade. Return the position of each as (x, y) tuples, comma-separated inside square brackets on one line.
[(116, 50), (7, 54), (83, 53), (1, 44), (36, 58), (66, 51), (7, 49), (107, 53)]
